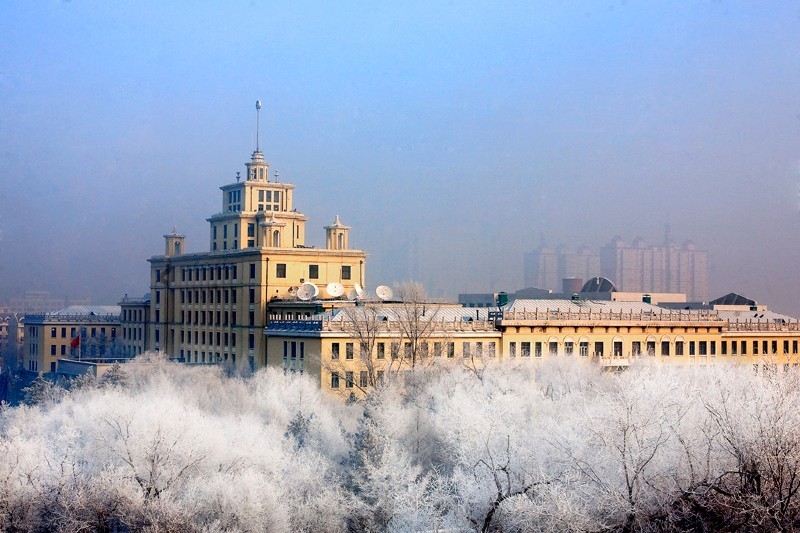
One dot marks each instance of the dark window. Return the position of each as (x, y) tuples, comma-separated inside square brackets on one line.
[(334, 380), (362, 381), (348, 379), (348, 350), (252, 270), (381, 350), (280, 270), (335, 350), (313, 271), (346, 272)]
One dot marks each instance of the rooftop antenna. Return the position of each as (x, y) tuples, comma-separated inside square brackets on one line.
[(277, 176), (258, 121), (238, 177)]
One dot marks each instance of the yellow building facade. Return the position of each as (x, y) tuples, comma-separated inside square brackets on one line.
[(608, 333), (351, 349), (87, 333), (211, 307)]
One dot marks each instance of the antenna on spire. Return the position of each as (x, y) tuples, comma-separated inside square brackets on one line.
[(258, 113)]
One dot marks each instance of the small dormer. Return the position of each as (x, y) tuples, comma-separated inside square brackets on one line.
[(337, 235), (174, 243), (272, 232)]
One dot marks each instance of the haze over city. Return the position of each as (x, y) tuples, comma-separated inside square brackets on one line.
[(451, 137)]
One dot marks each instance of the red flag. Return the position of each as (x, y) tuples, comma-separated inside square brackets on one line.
[(75, 342)]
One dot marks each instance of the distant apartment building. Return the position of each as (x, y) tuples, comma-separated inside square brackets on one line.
[(34, 301), (546, 268), (85, 333), (665, 268)]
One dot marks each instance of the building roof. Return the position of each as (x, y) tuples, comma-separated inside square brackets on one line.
[(733, 299), (575, 306), (87, 310)]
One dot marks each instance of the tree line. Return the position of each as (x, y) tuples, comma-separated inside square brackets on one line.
[(561, 446)]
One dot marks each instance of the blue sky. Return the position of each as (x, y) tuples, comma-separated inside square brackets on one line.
[(452, 136)]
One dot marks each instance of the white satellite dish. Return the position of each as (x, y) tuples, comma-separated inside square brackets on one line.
[(384, 292), (307, 291), (352, 295), (334, 289), (359, 290), (292, 291)]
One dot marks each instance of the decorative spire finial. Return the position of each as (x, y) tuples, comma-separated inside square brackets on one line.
[(258, 117)]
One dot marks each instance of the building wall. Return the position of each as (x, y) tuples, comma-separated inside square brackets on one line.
[(48, 340)]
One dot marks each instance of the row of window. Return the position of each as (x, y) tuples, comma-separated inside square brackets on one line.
[(212, 357), (72, 332), (695, 348), (488, 349), (222, 338), (210, 273), (313, 271), (349, 379), (198, 296), (134, 315)]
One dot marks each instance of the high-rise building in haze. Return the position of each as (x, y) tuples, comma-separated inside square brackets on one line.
[(545, 268), (640, 267)]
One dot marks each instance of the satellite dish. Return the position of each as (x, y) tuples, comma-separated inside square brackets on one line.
[(307, 291), (292, 291), (384, 292), (334, 289), (359, 290), (352, 295)]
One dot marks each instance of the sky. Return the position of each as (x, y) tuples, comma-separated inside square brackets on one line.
[(452, 136)]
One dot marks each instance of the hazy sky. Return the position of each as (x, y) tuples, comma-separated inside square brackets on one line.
[(451, 136)]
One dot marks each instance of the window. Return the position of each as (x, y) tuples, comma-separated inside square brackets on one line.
[(744, 348), (465, 349), (252, 271), (395, 347), (617, 348), (703, 347), (379, 377), (437, 349), (665, 348), (724, 347), (280, 270), (651, 347), (712, 347), (537, 349), (636, 348), (525, 349), (348, 379), (407, 350), (53, 331), (346, 272), (348, 350), (490, 349), (774, 347), (755, 347), (512, 349), (381, 350), (251, 228), (252, 295), (334, 380), (451, 349), (691, 348), (335, 350), (598, 349), (569, 348), (313, 271), (52, 349), (583, 348), (362, 379)]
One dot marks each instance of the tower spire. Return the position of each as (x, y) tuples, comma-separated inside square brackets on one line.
[(258, 121)]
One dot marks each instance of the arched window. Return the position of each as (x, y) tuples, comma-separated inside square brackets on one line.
[(177, 248), (276, 239)]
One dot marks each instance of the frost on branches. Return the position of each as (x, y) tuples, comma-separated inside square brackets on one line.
[(160, 446)]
